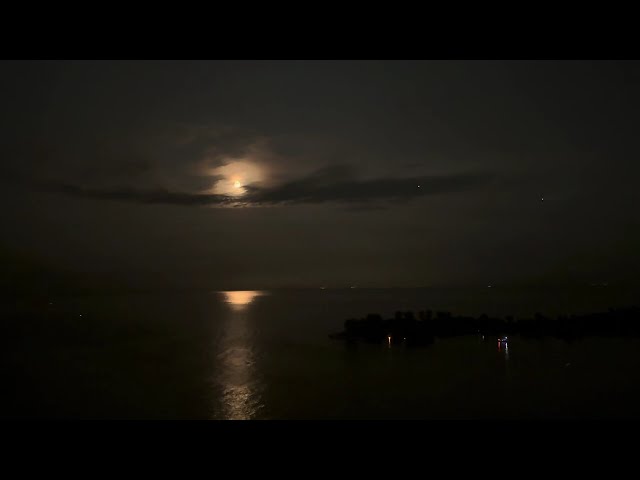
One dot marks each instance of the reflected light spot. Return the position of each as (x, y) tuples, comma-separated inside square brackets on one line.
[(234, 368), (239, 403), (241, 299)]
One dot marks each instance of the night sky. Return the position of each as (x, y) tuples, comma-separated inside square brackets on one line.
[(261, 174)]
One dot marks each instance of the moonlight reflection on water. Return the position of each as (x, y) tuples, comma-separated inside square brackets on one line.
[(235, 377)]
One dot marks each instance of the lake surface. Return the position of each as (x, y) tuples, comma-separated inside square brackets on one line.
[(267, 355)]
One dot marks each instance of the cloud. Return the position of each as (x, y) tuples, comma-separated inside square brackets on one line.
[(151, 196), (336, 184)]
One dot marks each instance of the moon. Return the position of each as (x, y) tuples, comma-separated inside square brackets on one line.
[(233, 177)]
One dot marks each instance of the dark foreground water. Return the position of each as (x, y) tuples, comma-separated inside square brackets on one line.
[(267, 355)]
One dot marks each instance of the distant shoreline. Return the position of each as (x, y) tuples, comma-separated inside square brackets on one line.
[(406, 328)]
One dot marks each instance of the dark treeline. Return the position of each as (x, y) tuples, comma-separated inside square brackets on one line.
[(406, 328)]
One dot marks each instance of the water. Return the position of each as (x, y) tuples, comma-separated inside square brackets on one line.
[(267, 355)]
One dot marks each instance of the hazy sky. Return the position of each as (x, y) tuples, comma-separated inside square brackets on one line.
[(269, 173)]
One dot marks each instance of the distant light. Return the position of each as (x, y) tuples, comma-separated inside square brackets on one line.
[(418, 186), (80, 314)]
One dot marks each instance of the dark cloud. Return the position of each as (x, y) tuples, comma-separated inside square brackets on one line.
[(336, 184), (157, 196)]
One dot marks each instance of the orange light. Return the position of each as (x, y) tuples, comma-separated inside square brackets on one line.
[(240, 299)]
